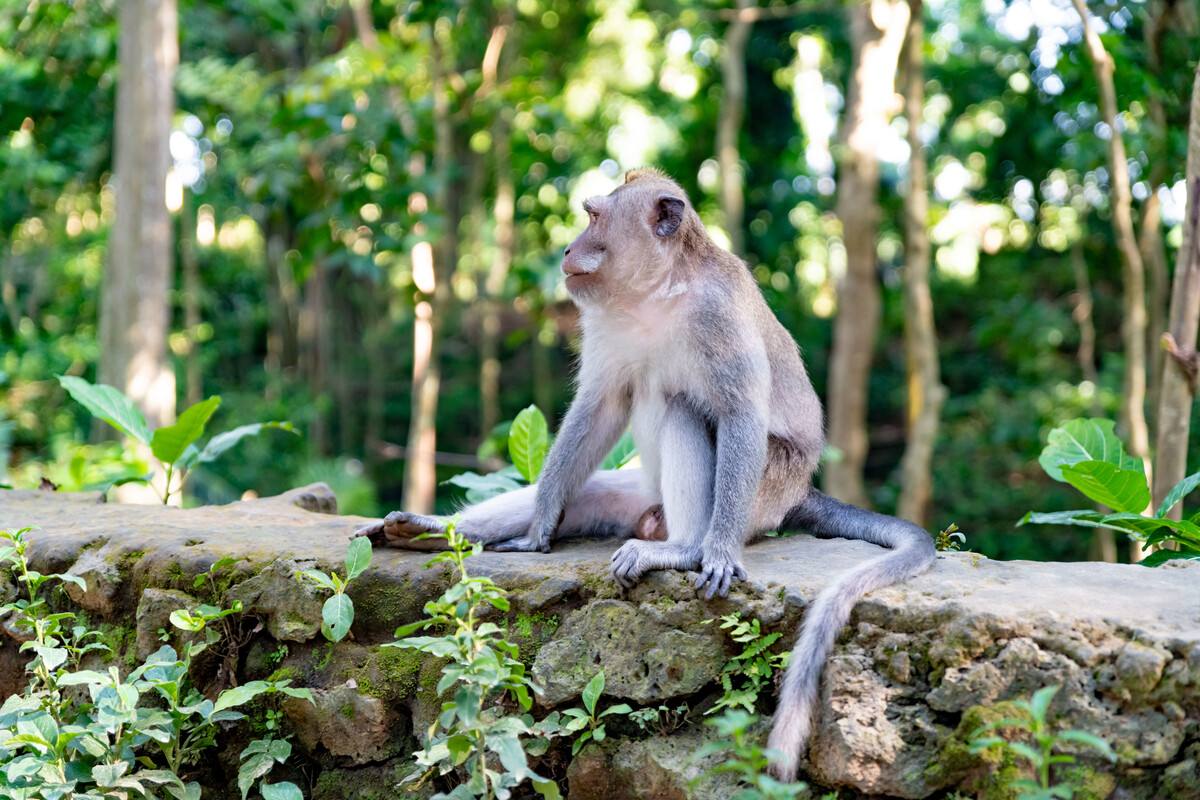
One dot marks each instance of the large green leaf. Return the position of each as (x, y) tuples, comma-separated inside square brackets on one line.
[(169, 442), (108, 404), (218, 444), (1110, 485), (528, 441), (1159, 557), (358, 557), (1083, 440), (621, 454), (1177, 493), (338, 616), (281, 791)]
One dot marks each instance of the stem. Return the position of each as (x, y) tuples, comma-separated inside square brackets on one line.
[(167, 488)]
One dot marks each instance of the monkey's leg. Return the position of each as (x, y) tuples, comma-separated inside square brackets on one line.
[(609, 503), (688, 466)]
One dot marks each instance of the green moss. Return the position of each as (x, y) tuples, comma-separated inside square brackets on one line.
[(530, 631), (991, 771), (390, 673), (121, 640), (1088, 783), (347, 711), (284, 674), (322, 656)]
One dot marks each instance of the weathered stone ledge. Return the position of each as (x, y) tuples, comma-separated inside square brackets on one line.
[(919, 667)]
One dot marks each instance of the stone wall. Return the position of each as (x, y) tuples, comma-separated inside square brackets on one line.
[(918, 669)]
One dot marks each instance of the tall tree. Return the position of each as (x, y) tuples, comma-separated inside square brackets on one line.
[(729, 126), (877, 33), (1178, 389), (1133, 325), (135, 299), (925, 390)]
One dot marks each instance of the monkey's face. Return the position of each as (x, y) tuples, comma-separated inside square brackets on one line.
[(626, 247)]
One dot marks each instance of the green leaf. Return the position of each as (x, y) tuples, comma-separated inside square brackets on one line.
[(218, 444), (1119, 489), (338, 616), (1160, 557), (548, 789), (1177, 493), (108, 404), (528, 441), (319, 578), (106, 775), (281, 791), (252, 769), (358, 557), (1086, 518), (239, 695), (1088, 740), (592, 692), (1041, 700), (621, 454), (169, 442), (1084, 440)]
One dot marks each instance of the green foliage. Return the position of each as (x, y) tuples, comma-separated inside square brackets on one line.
[(1040, 746), (91, 734), (585, 720), (1087, 454), (744, 676), (662, 720), (949, 539), (528, 442), (475, 737), (174, 447), (745, 758), (337, 615)]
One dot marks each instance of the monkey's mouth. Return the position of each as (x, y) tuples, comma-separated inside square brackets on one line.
[(578, 281)]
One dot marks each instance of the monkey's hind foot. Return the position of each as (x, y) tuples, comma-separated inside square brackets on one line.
[(399, 528)]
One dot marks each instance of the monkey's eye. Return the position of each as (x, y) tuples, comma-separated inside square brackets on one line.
[(592, 216)]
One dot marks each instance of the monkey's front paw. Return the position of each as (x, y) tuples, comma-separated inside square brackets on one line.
[(522, 544), (717, 571), (629, 564)]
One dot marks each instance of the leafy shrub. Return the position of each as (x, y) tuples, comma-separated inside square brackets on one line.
[(745, 758), (475, 732), (90, 734), (529, 441), (749, 672), (173, 446), (1041, 751), (1087, 454), (949, 539), (586, 719), (337, 615)]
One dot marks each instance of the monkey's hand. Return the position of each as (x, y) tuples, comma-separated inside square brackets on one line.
[(718, 569), (522, 544)]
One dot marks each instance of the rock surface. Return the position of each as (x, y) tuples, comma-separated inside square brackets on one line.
[(918, 668)]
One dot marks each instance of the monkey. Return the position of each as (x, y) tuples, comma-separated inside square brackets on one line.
[(679, 345)]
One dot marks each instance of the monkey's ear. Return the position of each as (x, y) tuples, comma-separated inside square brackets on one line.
[(668, 215)]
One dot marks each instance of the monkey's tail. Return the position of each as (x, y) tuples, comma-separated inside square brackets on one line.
[(912, 553)]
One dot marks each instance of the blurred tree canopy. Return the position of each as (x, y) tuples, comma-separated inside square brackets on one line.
[(322, 150)]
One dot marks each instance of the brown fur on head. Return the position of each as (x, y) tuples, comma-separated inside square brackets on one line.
[(638, 238)]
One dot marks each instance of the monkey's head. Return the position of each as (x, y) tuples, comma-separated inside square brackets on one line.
[(633, 239)]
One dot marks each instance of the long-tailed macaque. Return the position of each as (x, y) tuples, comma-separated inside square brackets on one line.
[(679, 344)]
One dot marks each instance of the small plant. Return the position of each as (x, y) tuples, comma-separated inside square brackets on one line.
[(259, 758), (746, 674), (476, 730), (173, 446), (1087, 454), (662, 720), (745, 758), (337, 615), (528, 443), (1041, 750), (93, 734), (586, 719), (950, 539)]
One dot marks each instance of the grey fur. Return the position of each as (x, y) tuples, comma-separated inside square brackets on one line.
[(679, 344)]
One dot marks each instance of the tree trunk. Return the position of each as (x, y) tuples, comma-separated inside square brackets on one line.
[(135, 310), (729, 126), (503, 218), (1133, 328), (314, 342), (925, 390), (1178, 376), (194, 389), (877, 32), (420, 473)]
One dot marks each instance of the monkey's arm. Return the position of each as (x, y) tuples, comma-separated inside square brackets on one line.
[(592, 426), (741, 457)]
